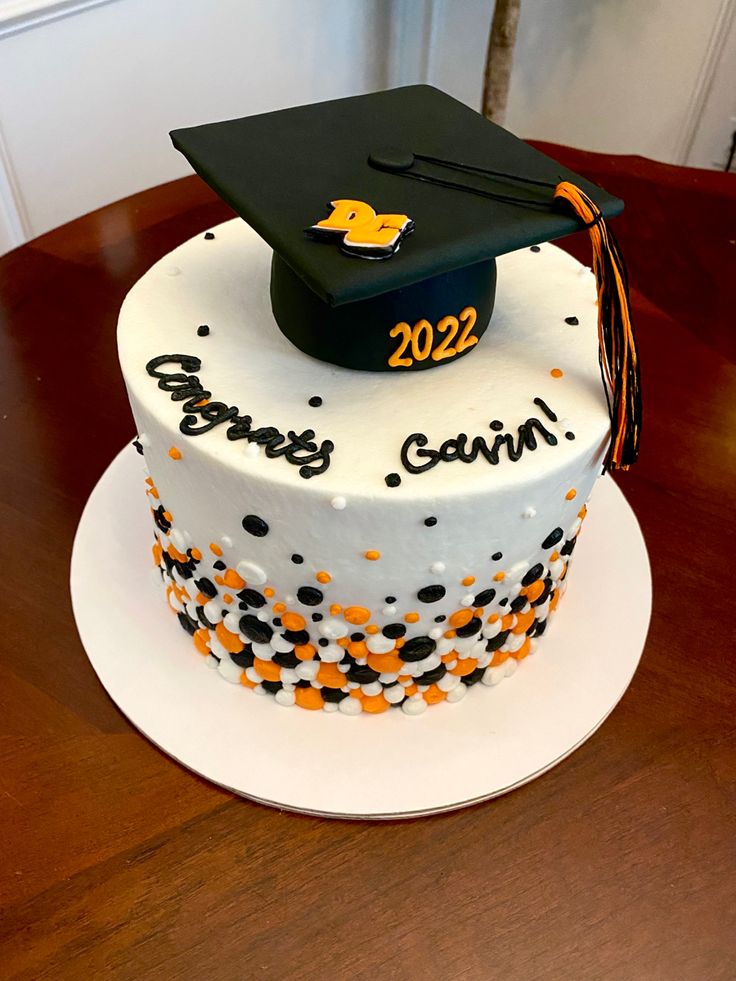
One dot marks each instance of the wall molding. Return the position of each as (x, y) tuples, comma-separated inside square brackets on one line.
[(22, 15), (15, 226), (704, 82)]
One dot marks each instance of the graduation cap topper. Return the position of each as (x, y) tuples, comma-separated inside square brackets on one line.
[(452, 192)]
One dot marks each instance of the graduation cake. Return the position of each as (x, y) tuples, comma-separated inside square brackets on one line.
[(373, 406)]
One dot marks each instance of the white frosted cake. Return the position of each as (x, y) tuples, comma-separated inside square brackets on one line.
[(354, 541)]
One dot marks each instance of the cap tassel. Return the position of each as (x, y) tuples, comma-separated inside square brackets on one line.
[(617, 352)]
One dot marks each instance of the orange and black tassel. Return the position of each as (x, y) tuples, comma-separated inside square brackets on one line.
[(617, 352)]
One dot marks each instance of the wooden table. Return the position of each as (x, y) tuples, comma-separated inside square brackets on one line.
[(618, 864)]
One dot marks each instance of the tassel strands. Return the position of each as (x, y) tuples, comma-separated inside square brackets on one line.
[(617, 352)]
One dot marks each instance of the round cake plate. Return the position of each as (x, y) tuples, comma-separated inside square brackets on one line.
[(370, 767)]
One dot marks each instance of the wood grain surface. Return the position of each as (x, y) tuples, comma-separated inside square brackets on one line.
[(618, 865)]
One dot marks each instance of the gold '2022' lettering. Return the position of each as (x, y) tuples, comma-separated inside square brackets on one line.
[(418, 343)]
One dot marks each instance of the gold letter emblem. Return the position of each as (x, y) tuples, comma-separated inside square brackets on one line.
[(361, 230)]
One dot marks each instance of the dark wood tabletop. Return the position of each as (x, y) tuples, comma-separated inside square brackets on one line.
[(618, 865)]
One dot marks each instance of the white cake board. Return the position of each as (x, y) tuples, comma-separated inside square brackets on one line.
[(386, 766)]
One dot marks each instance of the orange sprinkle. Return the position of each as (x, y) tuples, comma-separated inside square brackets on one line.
[(467, 581), (507, 621), (196, 555), (323, 577), (233, 580), (499, 577), (556, 373), (245, 680), (267, 669), (583, 511), (293, 621), (464, 667), (492, 618), (450, 656), (375, 703), (535, 590), (356, 693), (227, 597), (305, 652), (554, 600), (176, 554), (523, 622), (202, 640), (372, 629), (279, 608), (219, 580), (268, 592), (230, 641), (411, 690), (571, 494), (157, 552), (329, 676), (149, 481), (215, 548), (460, 617), (411, 617), (309, 698), (385, 663), (400, 641), (167, 515), (343, 641), (335, 609), (433, 695), (523, 650), (498, 658), (174, 453), (372, 555), (554, 556), (357, 615), (449, 634), (358, 648)]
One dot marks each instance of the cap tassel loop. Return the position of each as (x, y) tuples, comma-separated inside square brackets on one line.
[(617, 352)]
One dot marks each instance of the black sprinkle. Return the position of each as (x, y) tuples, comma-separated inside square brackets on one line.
[(296, 637), (518, 604), (394, 630), (207, 587), (433, 676), (285, 660), (220, 565), (138, 446), (297, 559), (357, 637), (255, 630), (541, 627), (553, 538), (203, 330), (572, 321), (470, 629), (362, 674), (392, 479), (315, 401), (187, 623), (498, 641), (417, 649), (484, 598), (534, 248), (430, 522), (569, 435), (504, 601), (390, 599), (536, 572), (497, 556), (440, 619), (431, 594), (209, 236), (473, 678), (276, 621), (251, 597), (244, 659), (255, 525), (309, 595), (271, 686), (316, 617), (323, 642), (496, 425), (568, 547), (333, 694)]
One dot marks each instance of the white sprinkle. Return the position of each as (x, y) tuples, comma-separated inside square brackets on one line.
[(378, 644), (252, 573), (227, 541), (437, 567), (232, 622), (353, 685), (262, 651), (350, 706), (456, 694), (516, 572), (213, 611), (414, 705), (289, 599), (388, 611), (510, 666), (281, 644), (252, 450), (285, 698), (339, 503), (144, 440), (307, 670), (372, 688), (394, 694), (212, 662), (332, 654), (448, 681), (332, 628), (467, 600), (492, 676), (263, 616), (260, 690), (332, 706), (173, 271), (388, 677), (178, 540), (514, 642), (252, 675), (529, 513), (289, 676), (436, 632), (230, 671)]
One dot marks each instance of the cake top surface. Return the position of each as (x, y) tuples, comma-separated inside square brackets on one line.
[(528, 403), (475, 191)]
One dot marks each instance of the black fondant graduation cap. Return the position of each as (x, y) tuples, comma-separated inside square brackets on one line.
[(409, 178)]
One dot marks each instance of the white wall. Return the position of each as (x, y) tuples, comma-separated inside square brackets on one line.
[(619, 76), (86, 101), (90, 88)]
